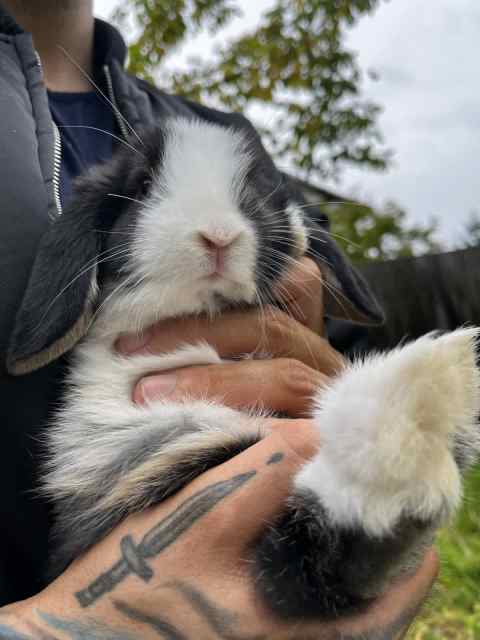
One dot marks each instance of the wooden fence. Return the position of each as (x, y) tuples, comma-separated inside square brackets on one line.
[(421, 294)]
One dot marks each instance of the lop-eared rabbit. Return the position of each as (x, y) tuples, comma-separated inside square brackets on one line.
[(195, 218)]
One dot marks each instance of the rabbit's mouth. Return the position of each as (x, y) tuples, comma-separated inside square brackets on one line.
[(218, 292)]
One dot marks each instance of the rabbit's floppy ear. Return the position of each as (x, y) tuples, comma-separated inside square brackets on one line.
[(347, 295), (62, 290)]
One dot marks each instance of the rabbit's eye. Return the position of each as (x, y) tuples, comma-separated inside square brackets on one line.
[(146, 184)]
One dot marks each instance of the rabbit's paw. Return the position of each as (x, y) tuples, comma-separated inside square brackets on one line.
[(397, 430)]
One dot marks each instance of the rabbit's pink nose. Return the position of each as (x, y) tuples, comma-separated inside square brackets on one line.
[(215, 240), (217, 244)]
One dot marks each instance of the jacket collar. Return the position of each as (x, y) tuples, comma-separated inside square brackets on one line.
[(109, 46), (8, 26)]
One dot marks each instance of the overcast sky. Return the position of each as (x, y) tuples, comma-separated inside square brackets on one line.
[(427, 55)]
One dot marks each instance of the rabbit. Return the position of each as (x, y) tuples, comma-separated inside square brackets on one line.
[(192, 217)]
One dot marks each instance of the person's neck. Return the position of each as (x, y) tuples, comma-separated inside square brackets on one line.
[(55, 26)]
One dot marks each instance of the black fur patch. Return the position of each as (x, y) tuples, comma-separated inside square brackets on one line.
[(73, 256), (58, 288), (307, 568), (73, 536)]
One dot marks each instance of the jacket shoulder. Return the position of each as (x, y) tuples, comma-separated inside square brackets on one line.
[(183, 106)]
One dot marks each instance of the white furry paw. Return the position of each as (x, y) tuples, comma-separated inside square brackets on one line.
[(393, 429)]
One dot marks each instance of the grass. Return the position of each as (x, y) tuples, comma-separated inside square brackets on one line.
[(454, 610)]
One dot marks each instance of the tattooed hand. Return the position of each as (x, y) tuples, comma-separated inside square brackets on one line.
[(300, 358), (181, 571)]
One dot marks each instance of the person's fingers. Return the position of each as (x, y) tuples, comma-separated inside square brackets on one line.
[(234, 333), (301, 289), (390, 615), (271, 331), (282, 385), (393, 613)]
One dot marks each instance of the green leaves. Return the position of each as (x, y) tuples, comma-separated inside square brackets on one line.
[(369, 234), (295, 61), (164, 24)]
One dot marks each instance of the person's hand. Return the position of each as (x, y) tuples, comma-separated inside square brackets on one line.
[(197, 566), (299, 359)]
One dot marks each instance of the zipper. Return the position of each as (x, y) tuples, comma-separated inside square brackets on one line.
[(111, 96), (57, 164), (57, 154), (57, 145)]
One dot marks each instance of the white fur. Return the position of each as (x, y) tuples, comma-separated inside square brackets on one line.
[(99, 416), (387, 428), (195, 192), (299, 229), (386, 425)]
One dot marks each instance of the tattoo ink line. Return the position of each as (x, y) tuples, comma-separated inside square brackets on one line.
[(162, 535), (276, 458), (79, 630), (220, 620), (159, 625), (71, 629), (7, 633)]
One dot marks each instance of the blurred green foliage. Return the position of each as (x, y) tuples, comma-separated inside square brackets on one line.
[(471, 235), (295, 61), (366, 233), (454, 611), (165, 24)]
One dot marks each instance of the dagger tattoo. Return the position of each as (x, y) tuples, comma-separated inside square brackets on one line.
[(134, 556)]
